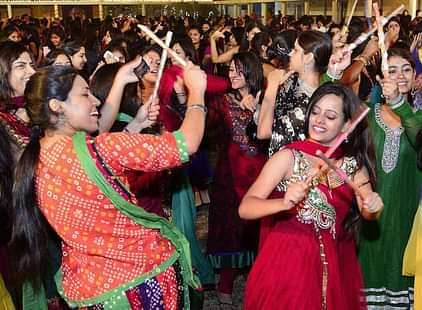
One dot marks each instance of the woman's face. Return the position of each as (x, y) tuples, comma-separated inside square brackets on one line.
[(195, 36), (334, 31), (179, 51), (80, 108), (22, 70), (326, 119), (205, 27), (79, 59), (252, 33), (233, 41), (15, 36), (119, 56), (107, 38), (153, 61), (236, 76), (394, 26), (62, 60), (55, 40), (296, 58), (401, 70)]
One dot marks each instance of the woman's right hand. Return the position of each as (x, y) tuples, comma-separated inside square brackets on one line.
[(195, 79), (277, 77), (126, 74), (296, 192), (217, 35), (371, 48)]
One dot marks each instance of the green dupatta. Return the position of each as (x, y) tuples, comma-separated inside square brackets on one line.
[(141, 217)]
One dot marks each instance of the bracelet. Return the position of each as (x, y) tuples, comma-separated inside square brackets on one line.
[(198, 107), (180, 94), (334, 75)]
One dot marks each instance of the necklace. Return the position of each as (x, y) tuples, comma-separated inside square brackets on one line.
[(306, 88)]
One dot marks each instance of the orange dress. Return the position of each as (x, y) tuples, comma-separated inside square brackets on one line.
[(103, 249)]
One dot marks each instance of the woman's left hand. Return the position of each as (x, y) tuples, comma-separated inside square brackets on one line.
[(373, 203), (390, 88), (126, 73), (249, 102), (146, 116), (339, 61)]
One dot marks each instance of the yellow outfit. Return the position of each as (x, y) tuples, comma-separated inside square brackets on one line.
[(412, 259), (6, 302)]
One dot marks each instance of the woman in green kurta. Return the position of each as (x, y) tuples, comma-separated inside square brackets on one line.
[(382, 243)]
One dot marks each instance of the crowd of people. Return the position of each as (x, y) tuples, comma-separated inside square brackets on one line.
[(104, 161)]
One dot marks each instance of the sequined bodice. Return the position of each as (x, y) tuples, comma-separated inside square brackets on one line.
[(289, 115), (317, 209)]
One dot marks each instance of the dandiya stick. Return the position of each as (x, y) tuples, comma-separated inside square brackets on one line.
[(339, 140), (340, 173), (162, 44), (162, 65), (341, 137), (362, 38), (352, 12), (381, 40)]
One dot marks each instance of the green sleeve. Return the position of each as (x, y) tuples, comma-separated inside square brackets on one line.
[(411, 121), (181, 144), (326, 78)]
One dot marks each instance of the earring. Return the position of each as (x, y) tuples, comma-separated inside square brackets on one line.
[(346, 140)]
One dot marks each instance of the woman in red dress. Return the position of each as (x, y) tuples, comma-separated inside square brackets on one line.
[(232, 242), (308, 260)]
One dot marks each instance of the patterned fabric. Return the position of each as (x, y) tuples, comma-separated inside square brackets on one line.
[(382, 243), (102, 248), (232, 241), (291, 104), (17, 129), (151, 294)]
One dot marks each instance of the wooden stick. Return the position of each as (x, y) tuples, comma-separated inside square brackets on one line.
[(381, 40), (162, 44), (346, 26), (338, 141), (341, 137), (340, 173), (162, 65)]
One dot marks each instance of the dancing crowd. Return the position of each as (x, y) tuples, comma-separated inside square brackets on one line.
[(107, 148)]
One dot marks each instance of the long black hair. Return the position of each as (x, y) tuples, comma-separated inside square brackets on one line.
[(6, 184), (101, 84), (251, 67), (359, 145), (9, 52), (188, 47), (245, 44), (29, 230), (319, 44)]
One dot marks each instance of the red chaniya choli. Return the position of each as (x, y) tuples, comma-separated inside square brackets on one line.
[(306, 259)]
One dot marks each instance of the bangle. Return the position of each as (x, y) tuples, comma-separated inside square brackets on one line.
[(334, 75), (198, 107), (180, 94)]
